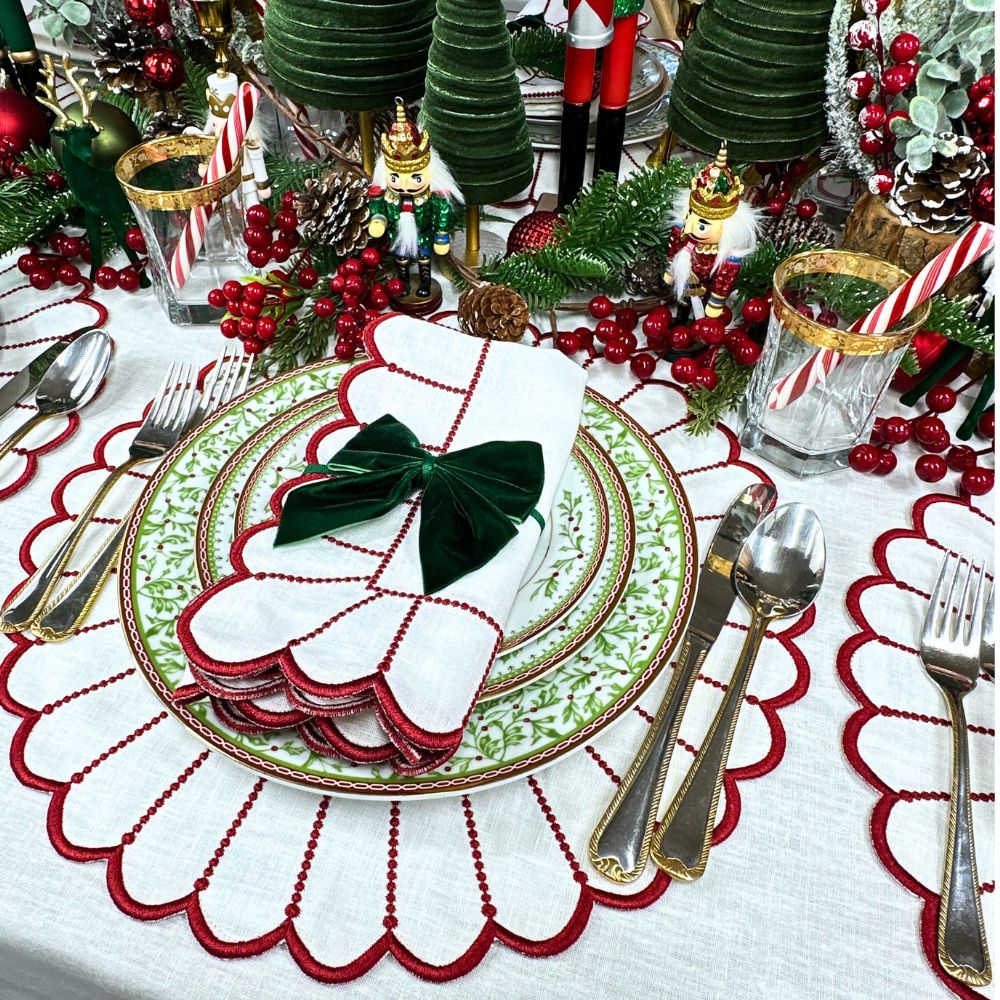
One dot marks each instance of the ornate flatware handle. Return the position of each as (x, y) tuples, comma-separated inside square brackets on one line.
[(64, 616), (681, 844), (619, 845), (31, 422), (31, 600), (962, 948)]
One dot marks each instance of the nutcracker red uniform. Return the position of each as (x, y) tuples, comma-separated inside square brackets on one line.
[(713, 230)]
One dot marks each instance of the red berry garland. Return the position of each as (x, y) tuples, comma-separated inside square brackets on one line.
[(43, 270)]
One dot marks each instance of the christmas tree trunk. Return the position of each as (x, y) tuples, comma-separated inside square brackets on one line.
[(752, 74), (351, 55), (473, 110)]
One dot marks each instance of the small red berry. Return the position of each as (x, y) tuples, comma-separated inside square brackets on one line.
[(828, 317), (904, 46), (288, 199), (775, 206), (69, 274), (977, 481), (600, 307), (886, 462), (128, 279), (248, 326), (960, 458), (346, 325), (254, 291), (941, 398), (351, 266), (708, 331), (349, 301), (233, 290), (626, 317), (568, 342), (230, 327), (258, 215), (986, 425), (324, 308), (337, 284), (252, 309), (286, 220), (259, 258), (896, 79), (872, 143), (253, 346), (371, 258), (266, 327), (281, 250), (345, 348), (928, 429), (806, 208), (706, 378), (256, 237), (55, 181), (630, 340), (872, 116), (643, 366), (134, 240), (896, 430), (355, 284), (938, 444), (863, 458), (586, 336), (683, 370), (745, 352), (72, 246), (680, 338), (42, 278), (308, 277), (28, 262), (756, 310), (395, 286), (607, 330), (106, 277), (931, 468), (617, 352)]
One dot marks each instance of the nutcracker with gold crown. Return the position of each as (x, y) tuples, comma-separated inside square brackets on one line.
[(713, 230), (412, 200)]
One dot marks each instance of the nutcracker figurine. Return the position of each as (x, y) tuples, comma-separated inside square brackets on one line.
[(415, 215), (713, 230)]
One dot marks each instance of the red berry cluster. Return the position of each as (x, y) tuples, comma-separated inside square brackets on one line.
[(778, 180), (44, 269), (256, 309), (897, 72), (355, 299), (979, 115), (271, 240), (12, 166), (930, 433)]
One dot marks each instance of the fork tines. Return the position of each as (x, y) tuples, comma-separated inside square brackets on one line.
[(960, 624)]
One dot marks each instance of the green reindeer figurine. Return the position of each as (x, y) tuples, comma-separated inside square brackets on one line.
[(96, 188)]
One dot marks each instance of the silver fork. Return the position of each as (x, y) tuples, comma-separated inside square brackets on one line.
[(950, 647), (67, 612), (987, 647), (164, 423)]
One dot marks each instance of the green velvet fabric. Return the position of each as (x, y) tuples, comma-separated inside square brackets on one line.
[(472, 108), (354, 55), (473, 498), (753, 74)]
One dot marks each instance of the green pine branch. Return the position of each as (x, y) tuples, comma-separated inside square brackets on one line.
[(308, 340), (291, 175), (542, 49), (953, 318), (707, 407), (29, 209)]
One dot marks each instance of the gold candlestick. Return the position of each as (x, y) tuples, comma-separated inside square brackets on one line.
[(687, 17), (215, 21)]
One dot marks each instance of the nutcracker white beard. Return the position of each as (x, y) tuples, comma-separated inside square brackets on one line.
[(406, 243)]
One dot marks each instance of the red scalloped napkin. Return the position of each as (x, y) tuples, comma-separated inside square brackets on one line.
[(334, 635)]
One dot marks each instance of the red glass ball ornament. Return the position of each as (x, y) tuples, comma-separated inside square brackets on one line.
[(371, 258), (680, 338), (806, 209), (756, 310), (960, 458), (871, 143), (308, 276), (708, 331), (982, 200), (22, 121), (775, 206), (872, 116), (149, 13), (230, 327), (896, 79), (941, 398), (863, 458), (643, 366), (128, 279), (259, 258), (568, 342), (267, 327), (106, 277), (346, 325), (258, 215), (881, 182), (617, 352), (42, 278), (886, 462), (929, 428), (280, 251), (626, 317), (904, 46), (655, 325), (607, 330), (931, 468), (354, 284), (987, 425), (706, 378), (683, 370), (345, 348), (860, 85), (977, 481), (69, 274), (533, 231), (216, 298), (896, 430), (163, 68), (600, 307)]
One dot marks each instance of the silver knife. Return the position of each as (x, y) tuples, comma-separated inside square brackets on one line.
[(619, 845), (27, 379)]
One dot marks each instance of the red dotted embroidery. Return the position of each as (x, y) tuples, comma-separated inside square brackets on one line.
[(578, 874), (423, 379), (201, 884), (908, 795), (129, 836), (293, 909), (390, 921), (603, 764), (934, 720), (488, 909), (469, 393), (120, 745), (404, 627), (320, 629), (90, 689)]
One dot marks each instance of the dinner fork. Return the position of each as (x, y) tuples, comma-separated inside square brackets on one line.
[(165, 422), (987, 647), (64, 615), (949, 648)]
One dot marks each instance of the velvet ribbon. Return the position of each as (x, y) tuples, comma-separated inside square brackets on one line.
[(473, 498)]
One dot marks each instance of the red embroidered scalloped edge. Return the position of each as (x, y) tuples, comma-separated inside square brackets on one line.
[(852, 730)]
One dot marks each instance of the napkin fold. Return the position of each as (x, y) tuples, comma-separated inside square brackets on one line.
[(338, 635)]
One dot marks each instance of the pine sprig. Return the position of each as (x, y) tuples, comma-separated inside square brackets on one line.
[(542, 49), (309, 340), (756, 276), (607, 227), (707, 407), (953, 318), (291, 175), (28, 208)]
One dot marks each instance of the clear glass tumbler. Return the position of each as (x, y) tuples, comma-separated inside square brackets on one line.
[(192, 229), (816, 390)]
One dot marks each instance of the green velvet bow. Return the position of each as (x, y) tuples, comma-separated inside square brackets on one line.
[(473, 498)]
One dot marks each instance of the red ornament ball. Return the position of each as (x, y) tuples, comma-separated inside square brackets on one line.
[(904, 46), (896, 430), (960, 458), (533, 231), (683, 370), (643, 366), (982, 200), (600, 307), (941, 398), (163, 68), (22, 121), (568, 342), (149, 13), (864, 458), (806, 209), (756, 310), (977, 481), (987, 425), (931, 468)]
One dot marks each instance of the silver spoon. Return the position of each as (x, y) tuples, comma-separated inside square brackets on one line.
[(778, 574), (71, 382)]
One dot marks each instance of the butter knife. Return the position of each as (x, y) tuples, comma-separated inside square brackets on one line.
[(619, 845), (27, 379)]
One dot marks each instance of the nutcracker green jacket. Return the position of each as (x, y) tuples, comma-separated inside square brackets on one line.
[(432, 214)]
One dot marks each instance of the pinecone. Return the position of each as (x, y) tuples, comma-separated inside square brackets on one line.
[(789, 228), (937, 199), (167, 123), (645, 276), (121, 44), (333, 211), (495, 312)]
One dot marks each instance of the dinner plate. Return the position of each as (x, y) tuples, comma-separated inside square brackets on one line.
[(509, 735)]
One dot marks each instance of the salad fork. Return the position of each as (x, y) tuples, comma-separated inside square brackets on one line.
[(950, 648), (987, 647), (165, 422), (64, 615)]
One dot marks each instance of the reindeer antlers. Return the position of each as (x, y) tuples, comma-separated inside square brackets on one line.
[(46, 94)]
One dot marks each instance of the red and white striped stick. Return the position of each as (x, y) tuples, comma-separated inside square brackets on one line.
[(966, 250), (224, 156)]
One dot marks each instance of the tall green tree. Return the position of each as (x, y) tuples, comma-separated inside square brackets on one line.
[(752, 74), (472, 107), (353, 55)]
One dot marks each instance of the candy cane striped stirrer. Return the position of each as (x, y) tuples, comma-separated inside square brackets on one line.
[(965, 251), (223, 158)]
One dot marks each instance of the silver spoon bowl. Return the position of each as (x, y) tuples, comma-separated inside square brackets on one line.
[(71, 382)]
